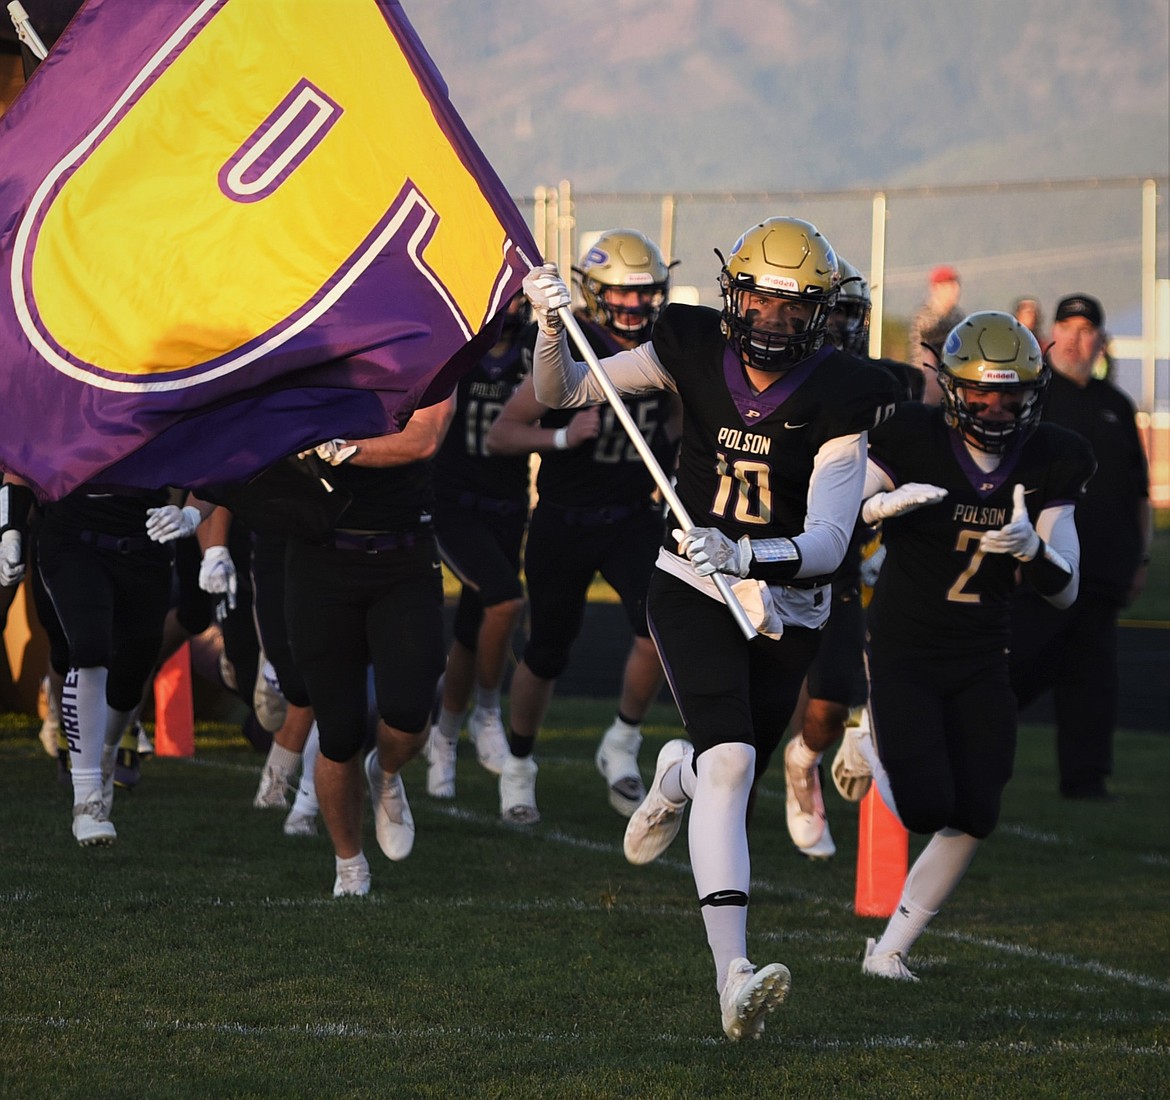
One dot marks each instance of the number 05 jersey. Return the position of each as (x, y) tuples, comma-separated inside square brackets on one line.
[(937, 588)]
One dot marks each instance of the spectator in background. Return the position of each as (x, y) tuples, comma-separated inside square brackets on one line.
[(1073, 652), (1028, 312), (931, 323)]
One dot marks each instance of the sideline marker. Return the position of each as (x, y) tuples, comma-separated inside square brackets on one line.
[(174, 706), (883, 854)]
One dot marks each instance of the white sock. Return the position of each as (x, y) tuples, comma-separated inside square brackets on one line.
[(678, 784), (306, 799), (350, 861), (83, 714), (450, 723), (282, 761), (932, 879), (487, 698), (802, 756), (719, 848)]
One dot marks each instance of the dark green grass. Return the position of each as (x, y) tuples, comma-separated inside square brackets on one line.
[(202, 955)]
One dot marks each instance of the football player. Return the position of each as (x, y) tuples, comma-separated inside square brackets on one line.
[(481, 509), (968, 494), (595, 514), (836, 679), (110, 586), (772, 465)]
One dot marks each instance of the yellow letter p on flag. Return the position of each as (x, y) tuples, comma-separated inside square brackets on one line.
[(258, 162)]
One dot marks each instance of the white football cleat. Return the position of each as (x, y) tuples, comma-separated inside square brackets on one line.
[(91, 824), (440, 754), (851, 772), (518, 791), (485, 728), (267, 701), (804, 805), (352, 881), (272, 794), (749, 995), (656, 822), (393, 821), (617, 761), (885, 964), (824, 848), (299, 823)]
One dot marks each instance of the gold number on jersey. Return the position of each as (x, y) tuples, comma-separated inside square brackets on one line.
[(963, 543), (749, 484), (613, 445), (481, 415)]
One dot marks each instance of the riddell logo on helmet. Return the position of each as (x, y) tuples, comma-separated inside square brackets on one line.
[(639, 278), (778, 282), (1000, 376)]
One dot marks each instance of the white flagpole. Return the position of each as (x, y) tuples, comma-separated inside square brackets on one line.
[(25, 31), (652, 464)]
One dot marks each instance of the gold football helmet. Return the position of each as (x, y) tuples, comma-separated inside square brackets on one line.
[(782, 258), (621, 261), (989, 352), (848, 325)]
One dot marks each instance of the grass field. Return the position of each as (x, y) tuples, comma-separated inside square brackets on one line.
[(202, 955)]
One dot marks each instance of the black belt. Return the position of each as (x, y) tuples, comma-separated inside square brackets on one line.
[(373, 543), (492, 505), (128, 544)]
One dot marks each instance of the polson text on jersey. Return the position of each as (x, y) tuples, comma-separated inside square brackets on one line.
[(738, 440)]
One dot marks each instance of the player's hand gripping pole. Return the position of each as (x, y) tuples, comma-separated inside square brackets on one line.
[(647, 455), (25, 30)]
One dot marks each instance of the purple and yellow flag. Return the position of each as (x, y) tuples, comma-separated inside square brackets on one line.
[(230, 229)]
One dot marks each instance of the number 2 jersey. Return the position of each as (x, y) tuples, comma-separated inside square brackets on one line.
[(937, 589)]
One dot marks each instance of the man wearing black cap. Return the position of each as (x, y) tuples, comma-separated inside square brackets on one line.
[(1074, 652)]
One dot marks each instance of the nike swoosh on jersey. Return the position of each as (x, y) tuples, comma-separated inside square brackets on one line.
[(790, 426)]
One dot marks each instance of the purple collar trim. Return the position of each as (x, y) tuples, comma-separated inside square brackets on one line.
[(756, 406), (984, 484)]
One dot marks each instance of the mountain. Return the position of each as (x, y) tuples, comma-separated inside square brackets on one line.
[(804, 94)]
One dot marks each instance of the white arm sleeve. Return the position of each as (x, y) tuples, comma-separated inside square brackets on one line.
[(1057, 527), (876, 480), (834, 499), (563, 383)]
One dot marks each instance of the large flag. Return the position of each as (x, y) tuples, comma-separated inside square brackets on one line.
[(230, 229)]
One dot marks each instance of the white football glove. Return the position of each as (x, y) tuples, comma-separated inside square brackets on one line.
[(711, 551), (1018, 537), (11, 559), (546, 291), (168, 522), (217, 574), (335, 451), (905, 498)]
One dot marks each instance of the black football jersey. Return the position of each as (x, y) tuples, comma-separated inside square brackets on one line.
[(607, 470), (747, 458), (386, 498), (463, 464), (937, 588)]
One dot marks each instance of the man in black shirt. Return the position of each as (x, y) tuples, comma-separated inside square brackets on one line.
[(1074, 652)]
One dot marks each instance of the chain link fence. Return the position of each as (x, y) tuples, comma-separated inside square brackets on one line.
[(1040, 239)]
